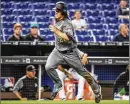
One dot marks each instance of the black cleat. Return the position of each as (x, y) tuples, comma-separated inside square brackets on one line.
[(54, 94), (98, 97)]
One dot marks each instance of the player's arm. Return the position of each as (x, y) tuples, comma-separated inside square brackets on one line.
[(84, 57), (65, 72), (58, 32), (16, 89)]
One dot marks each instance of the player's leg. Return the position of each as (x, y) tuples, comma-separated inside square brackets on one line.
[(81, 82), (50, 67), (74, 61), (62, 76)]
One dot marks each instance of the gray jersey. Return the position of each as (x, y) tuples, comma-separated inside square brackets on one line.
[(66, 27)]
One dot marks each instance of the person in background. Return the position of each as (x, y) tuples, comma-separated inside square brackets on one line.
[(26, 87), (17, 33), (78, 23), (123, 34), (33, 35), (123, 10)]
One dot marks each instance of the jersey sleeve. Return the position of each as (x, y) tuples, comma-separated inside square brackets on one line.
[(80, 52), (69, 30), (18, 85)]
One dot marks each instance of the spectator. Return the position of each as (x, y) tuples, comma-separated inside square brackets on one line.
[(27, 86), (123, 10), (33, 35), (78, 23), (123, 35), (17, 33)]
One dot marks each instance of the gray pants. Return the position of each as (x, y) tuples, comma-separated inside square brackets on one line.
[(73, 60)]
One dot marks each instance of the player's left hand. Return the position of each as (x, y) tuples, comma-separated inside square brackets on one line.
[(84, 60), (52, 28)]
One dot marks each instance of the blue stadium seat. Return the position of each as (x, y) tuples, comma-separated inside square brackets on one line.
[(25, 31), (43, 25), (111, 20), (6, 37), (8, 24), (50, 38), (42, 19), (39, 5), (111, 13), (7, 5), (93, 13), (26, 18), (8, 18), (24, 5), (113, 26), (50, 13), (25, 24), (39, 12), (8, 31), (126, 21), (8, 11), (99, 32), (99, 26), (94, 20), (101, 38), (73, 6), (84, 38), (91, 6), (113, 32), (24, 12), (50, 6), (107, 7)]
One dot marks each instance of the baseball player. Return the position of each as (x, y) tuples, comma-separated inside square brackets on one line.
[(27, 86), (72, 74), (66, 51)]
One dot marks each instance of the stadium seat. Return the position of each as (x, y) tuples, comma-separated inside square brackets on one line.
[(93, 13), (8, 24), (113, 32), (43, 25), (113, 26), (8, 18), (24, 5), (50, 38), (101, 38), (111, 20), (107, 7), (27, 18), (39, 12), (39, 5), (7, 5), (8, 31), (94, 20), (25, 24), (99, 32), (42, 19), (8, 11), (25, 31), (111, 13), (90, 6), (24, 12)]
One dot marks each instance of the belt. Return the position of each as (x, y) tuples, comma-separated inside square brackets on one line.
[(66, 51)]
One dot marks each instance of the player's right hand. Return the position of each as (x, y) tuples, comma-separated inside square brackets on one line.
[(23, 99)]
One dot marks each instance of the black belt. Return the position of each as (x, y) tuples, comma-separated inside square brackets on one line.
[(66, 51)]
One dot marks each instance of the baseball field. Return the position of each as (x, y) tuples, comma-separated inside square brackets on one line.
[(65, 102)]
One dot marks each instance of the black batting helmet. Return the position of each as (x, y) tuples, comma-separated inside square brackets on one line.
[(62, 7)]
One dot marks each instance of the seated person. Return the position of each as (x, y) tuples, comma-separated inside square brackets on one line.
[(123, 34), (17, 33), (78, 23), (123, 10), (33, 35)]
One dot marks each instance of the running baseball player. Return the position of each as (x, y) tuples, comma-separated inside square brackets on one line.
[(66, 51)]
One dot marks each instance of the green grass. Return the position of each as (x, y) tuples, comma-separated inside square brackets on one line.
[(65, 102)]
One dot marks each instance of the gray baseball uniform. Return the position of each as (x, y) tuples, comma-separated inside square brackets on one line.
[(66, 51)]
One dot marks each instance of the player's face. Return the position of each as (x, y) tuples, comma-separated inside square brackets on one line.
[(34, 31), (58, 14), (17, 31), (31, 74), (123, 3), (77, 15), (124, 29)]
